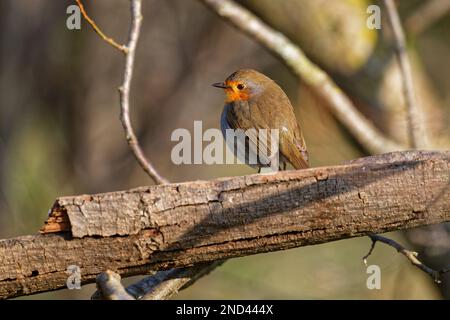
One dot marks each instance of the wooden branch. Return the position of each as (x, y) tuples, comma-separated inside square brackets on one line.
[(415, 121), (167, 283), (124, 91), (178, 225), (426, 15), (159, 286), (410, 255), (364, 131), (102, 35)]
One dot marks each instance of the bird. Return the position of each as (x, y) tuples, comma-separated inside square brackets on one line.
[(254, 101)]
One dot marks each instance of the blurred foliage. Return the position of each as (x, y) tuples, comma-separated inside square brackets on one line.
[(60, 134)]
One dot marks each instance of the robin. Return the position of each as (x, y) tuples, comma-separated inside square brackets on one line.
[(254, 101)]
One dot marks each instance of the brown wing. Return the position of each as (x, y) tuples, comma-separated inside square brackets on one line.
[(294, 150), (279, 113), (244, 115)]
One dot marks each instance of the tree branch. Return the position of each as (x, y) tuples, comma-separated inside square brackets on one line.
[(94, 26), (417, 133), (179, 225), (410, 255), (428, 13), (124, 91), (159, 286), (362, 129)]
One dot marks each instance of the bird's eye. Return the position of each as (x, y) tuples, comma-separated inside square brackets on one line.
[(240, 86)]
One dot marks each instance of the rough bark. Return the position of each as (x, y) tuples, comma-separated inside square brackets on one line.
[(178, 225)]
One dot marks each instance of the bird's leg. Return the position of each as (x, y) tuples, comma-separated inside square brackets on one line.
[(259, 170)]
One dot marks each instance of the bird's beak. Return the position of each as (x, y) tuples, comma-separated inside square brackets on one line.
[(220, 85)]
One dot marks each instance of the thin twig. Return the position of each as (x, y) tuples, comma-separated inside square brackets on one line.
[(415, 123), (362, 129), (165, 284), (370, 251), (124, 92), (94, 26), (124, 89), (426, 15), (410, 255)]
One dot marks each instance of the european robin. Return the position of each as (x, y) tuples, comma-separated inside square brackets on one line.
[(254, 101)]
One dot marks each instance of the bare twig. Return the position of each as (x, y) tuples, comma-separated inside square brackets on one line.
[(410, 255), (417, 134), (124, 91), (94, 26), (362, 129), (427, 14), (165, 284), (159, 286)]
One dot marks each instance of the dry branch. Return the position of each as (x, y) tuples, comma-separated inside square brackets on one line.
[(167, 283), (417, 133), (410, 255), (426, 15), (124, 91), (96, 28), (178, 225)]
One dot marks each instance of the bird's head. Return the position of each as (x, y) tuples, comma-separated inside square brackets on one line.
[(243, 85)]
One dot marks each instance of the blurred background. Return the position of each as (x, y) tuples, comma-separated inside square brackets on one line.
[(60, 133)]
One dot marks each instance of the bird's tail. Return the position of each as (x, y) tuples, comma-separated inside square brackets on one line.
[(297, 156)]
